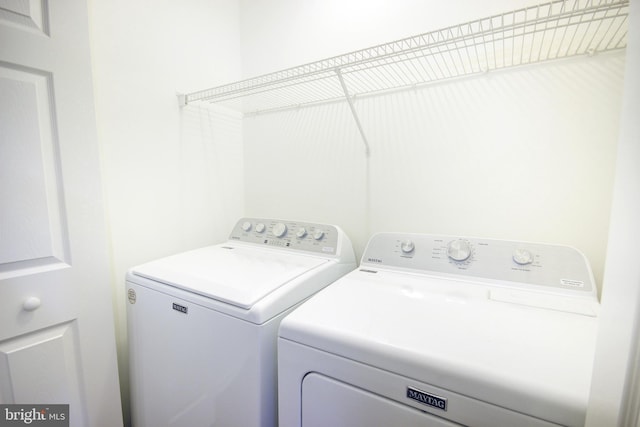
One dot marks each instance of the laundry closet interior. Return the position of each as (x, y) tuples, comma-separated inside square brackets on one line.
[(495, 119)]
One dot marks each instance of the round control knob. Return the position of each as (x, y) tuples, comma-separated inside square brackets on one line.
[(246, 226), (459, 250), (407, 246), (279, 229), (522, 257), (260, 227), (318, 234), (301, 232)]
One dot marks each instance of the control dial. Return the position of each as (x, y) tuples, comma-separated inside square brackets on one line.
[(459, 250), (301, 232), (260, 227), (318, 234), (522, 257), (279, 229), (407, 246), (246, 226)]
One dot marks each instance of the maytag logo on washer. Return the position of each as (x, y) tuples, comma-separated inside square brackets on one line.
[(180, 308), (427, 398)]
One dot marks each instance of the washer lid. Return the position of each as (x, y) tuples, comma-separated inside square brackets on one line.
[(236, 275)]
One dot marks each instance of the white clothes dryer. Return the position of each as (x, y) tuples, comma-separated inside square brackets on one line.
[(203, 324), (444, 331)]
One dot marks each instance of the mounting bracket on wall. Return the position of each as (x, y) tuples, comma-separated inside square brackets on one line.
[(182, 99), (353, 112), (549, 31)]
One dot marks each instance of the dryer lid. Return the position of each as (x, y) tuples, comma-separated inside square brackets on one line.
[(455, 335), (236, 275)]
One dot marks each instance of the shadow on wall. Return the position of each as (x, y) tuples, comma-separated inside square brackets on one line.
[(212, 178), (524, 154)]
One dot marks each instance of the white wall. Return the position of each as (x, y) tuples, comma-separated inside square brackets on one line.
[(615, 392), (173, 177), (524, 154)]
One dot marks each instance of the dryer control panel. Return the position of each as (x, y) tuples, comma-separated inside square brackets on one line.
[(534, 265), (294, 235)]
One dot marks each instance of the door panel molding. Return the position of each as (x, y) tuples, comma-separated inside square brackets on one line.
[(44, 366), (30, 15), (32, 215)]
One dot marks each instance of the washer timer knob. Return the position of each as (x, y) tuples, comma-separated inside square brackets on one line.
[(279, 229), (407, 246), (459, 250), (522, 257), (246, 226)]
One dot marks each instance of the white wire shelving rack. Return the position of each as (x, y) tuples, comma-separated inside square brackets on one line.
[(550, 31)]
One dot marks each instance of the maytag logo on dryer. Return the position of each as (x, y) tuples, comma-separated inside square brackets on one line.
[(376, 260), (180, 308), (427, 398)]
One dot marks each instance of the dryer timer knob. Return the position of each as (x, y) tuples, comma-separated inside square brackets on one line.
[(459, 250), (407, 246), (522, 257)]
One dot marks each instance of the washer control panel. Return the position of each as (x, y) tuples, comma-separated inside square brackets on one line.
[(293, 235), (530, 264)]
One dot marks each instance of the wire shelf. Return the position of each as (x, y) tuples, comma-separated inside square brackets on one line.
[(550, 31)]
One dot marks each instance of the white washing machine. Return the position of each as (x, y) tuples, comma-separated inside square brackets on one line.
[(444, 331), (203, 324)]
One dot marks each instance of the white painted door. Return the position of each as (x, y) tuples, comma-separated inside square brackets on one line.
[(57, 341)]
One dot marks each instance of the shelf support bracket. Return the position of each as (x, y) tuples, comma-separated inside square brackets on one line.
[(182, 99), (353, 111)]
